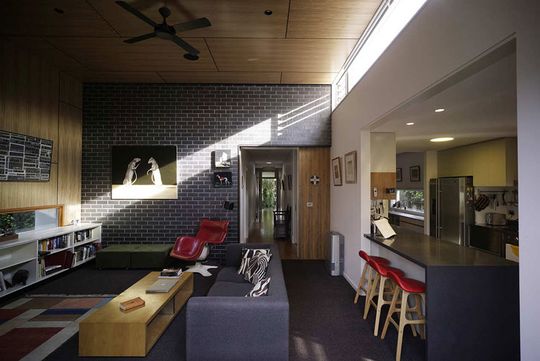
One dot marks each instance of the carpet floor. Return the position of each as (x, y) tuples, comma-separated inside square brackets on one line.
[(325, 325)]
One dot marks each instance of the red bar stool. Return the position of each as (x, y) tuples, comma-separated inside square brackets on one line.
[(407, 287), (381, 276), (367, 272)]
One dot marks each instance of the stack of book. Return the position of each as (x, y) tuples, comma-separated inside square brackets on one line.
[(170, 273)]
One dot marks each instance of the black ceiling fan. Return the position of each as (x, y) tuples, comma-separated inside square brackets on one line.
[(166, 31)]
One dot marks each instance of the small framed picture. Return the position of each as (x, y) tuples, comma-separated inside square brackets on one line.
[(222, 179), (222, 158), (414, 173), (398, 175), (336, 171), (350, 167)]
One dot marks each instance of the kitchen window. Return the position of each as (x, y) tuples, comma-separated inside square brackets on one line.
[(411, 200)]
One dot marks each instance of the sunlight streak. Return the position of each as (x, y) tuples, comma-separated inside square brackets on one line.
[(303, 106)]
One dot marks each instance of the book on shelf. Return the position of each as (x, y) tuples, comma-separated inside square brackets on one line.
[(170, 273), (132, 304), (52, 269)]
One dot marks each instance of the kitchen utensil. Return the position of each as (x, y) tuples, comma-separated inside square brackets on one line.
[(482, 201)]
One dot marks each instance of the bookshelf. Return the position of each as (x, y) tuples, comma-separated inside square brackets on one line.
[(42, 254)]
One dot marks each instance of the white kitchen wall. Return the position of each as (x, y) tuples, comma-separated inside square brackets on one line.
[(443, 37)]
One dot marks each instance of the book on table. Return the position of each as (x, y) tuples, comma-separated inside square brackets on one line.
[(170, 273), (134, 303), (162, 285)]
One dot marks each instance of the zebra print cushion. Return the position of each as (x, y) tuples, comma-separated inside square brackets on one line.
[(256, 267), (260, 288), (247, 254)]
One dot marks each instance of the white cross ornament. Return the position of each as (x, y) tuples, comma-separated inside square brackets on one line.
[(314, 179)]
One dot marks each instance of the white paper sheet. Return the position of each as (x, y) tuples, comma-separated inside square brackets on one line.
[(385, 228)]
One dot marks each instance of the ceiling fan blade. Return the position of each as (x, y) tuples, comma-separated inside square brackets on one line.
[(194, 24), (137, 13), (184, 45), (140, 38)]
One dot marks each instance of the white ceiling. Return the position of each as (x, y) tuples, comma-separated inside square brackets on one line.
[(478, 108)]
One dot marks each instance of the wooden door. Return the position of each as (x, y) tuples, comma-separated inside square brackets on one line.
[(314, 202)]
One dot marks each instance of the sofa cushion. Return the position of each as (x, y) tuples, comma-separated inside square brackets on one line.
[(248, 254), (229, 274), (257, 267), (260, 288), (224, 288)]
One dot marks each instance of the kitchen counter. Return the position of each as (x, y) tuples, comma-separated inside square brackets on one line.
[(472, 297), (397, 212), (427, 251)]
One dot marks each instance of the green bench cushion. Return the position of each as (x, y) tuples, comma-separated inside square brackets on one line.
[(133, 256), (150, 256)]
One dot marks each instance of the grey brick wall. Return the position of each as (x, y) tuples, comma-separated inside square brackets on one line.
[(198, 119)]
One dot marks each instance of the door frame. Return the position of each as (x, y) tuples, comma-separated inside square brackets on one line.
[(244, 219)]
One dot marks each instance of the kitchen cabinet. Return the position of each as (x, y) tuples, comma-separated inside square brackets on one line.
[(383, 182), (383, 165), (492, 163)]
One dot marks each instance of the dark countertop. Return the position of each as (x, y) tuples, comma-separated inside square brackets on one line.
[(427, 251), (510, 228), (406, 215)]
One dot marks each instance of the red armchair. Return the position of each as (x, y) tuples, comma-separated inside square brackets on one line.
[(189, 248)]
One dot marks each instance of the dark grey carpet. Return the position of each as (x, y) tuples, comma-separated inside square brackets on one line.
[(324, 322)]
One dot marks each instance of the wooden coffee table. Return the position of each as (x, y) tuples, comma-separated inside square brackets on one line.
[(111, 332)]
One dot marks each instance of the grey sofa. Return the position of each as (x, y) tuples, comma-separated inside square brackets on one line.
[(225, 325)]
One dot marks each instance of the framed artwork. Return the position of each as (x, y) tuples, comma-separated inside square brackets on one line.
[(336, 171), (144, 172), (24, 158), (414, 173), (398, 175), (222, 179), (350, 167), (222, 158)]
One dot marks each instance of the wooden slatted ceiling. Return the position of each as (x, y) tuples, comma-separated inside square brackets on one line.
[(302, 42)]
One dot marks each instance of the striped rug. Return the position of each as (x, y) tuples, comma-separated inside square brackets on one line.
[(33, 327)]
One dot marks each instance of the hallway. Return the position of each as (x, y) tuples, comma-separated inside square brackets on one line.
[(263, 232)]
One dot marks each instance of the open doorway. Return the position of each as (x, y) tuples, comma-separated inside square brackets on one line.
[(268, 198)]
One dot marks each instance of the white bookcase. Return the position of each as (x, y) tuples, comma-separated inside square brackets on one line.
[(48, 252)]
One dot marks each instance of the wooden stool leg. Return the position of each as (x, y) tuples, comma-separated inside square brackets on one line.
[(402, 323), (371, 293), (391, 311), (410, 312), (380, 302), (422, 328), (361, 283)]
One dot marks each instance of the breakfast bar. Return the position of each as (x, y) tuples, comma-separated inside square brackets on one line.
[(471, 296)]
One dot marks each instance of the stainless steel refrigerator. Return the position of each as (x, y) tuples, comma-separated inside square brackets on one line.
[(451, 208)]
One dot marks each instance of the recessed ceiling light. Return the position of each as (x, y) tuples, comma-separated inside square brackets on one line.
[(441, 139), (253, 59), (268, 162), (268, 12), (439, 110), (409, 123)]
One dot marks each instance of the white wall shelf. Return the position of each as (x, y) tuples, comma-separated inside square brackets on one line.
[(26, 253)]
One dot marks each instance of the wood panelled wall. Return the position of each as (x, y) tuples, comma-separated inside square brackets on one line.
[(37, 99), (314, 222)]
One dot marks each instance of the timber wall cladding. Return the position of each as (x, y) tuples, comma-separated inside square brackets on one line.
[(197, 119), (314, 221), (37, 100)]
